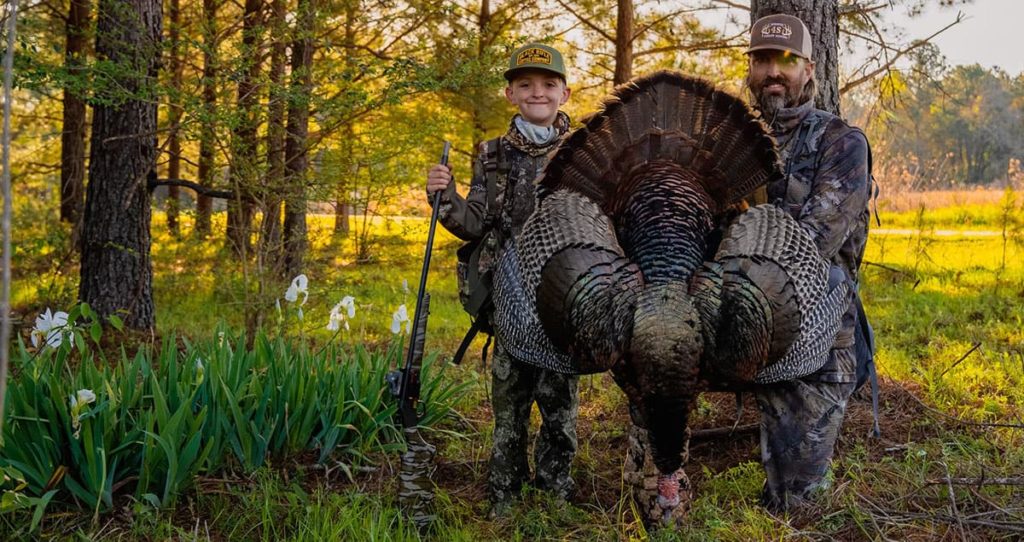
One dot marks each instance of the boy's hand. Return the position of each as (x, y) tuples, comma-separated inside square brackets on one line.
[(438, 177)]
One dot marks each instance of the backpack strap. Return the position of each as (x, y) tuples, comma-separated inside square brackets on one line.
[(865, 352), (803, 131), (872, 185), (479, 298), (494, 164)]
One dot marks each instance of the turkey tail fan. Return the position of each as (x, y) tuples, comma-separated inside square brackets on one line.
[(770, 266), (665, 116)]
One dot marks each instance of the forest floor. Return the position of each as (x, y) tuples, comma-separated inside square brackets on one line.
[(949, 464)]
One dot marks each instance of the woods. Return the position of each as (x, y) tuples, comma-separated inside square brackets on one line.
[(255, 100), (176, 165)]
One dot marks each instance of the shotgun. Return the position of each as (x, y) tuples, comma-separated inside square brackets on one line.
[(415, 487)]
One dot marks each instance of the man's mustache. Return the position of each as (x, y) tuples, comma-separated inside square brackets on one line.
[(775, 81)]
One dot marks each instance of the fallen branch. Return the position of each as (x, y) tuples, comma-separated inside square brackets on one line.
[(1000, 525), (719, 432), (886, 267), (977, 482), (962, 358)]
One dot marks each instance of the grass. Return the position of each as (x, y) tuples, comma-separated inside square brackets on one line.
[(945, 405)]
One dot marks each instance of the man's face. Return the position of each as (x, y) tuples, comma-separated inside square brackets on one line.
[(538, 94), (777, 78)]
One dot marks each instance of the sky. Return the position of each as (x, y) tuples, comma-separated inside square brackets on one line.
[(991, 33)]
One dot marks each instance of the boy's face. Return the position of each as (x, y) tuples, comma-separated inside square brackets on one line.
[(538, 94)]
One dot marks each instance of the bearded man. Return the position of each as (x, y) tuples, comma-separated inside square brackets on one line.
[(825, 187)]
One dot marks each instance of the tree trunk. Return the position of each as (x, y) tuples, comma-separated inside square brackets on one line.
[(483, 98), (270, 230), (177, 67), (822, 19), (72, 138), (341, 189), (243, 141), (624, 43), (207, 131), (116, 275), (296, 152)]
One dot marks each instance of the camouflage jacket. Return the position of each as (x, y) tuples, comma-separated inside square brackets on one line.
[(467, 217), (826, 188), (826, 182)]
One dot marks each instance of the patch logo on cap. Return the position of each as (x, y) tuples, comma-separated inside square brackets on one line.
[(533, 55), (776, 31)]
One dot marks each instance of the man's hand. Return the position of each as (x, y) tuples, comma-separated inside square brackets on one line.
[(438, 177)]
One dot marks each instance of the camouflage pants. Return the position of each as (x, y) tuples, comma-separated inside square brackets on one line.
[(515, 387), (800, 422)]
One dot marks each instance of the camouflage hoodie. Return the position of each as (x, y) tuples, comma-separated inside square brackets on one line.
[(825, 188), (467, 217)]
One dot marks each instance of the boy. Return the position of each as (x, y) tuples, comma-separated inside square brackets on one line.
[(537, 87)]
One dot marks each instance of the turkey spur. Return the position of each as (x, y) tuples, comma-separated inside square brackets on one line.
[(629, 262)]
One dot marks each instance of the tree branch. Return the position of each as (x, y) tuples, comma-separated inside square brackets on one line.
[(665, 17), (736, 5), (885, 67), (197, 188), (585, 21), (700, 435), (857, 9), (724, 43)]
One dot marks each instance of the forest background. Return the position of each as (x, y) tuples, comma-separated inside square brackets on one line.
[(273, 110), (177, 165)]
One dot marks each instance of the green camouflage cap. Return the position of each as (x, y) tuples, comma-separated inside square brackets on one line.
[(536, 56)]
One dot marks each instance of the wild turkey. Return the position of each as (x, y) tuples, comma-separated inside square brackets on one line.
[(619, 267)]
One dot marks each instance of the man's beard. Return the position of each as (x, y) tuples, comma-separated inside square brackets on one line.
[(770, 104)]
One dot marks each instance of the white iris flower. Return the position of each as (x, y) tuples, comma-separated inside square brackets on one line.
[(49, 328), (400, 316), (339, 318), (300, 285), (79, 401)]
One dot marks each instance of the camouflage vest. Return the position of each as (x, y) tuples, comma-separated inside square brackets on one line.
[(801, 156), (509, 165)]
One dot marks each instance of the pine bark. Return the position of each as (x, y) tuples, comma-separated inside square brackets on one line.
[(243, 140), (72, 139), (296, 143), (341, 189), (116, 274), (624, 28), (207, 130), (270, 229), (483, 97), (174, 114), (822, 19)]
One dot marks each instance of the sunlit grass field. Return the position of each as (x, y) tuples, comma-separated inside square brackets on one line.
[(948, 312)]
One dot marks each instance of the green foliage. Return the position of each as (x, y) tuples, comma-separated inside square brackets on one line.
[(83, 430), (947, 127)]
